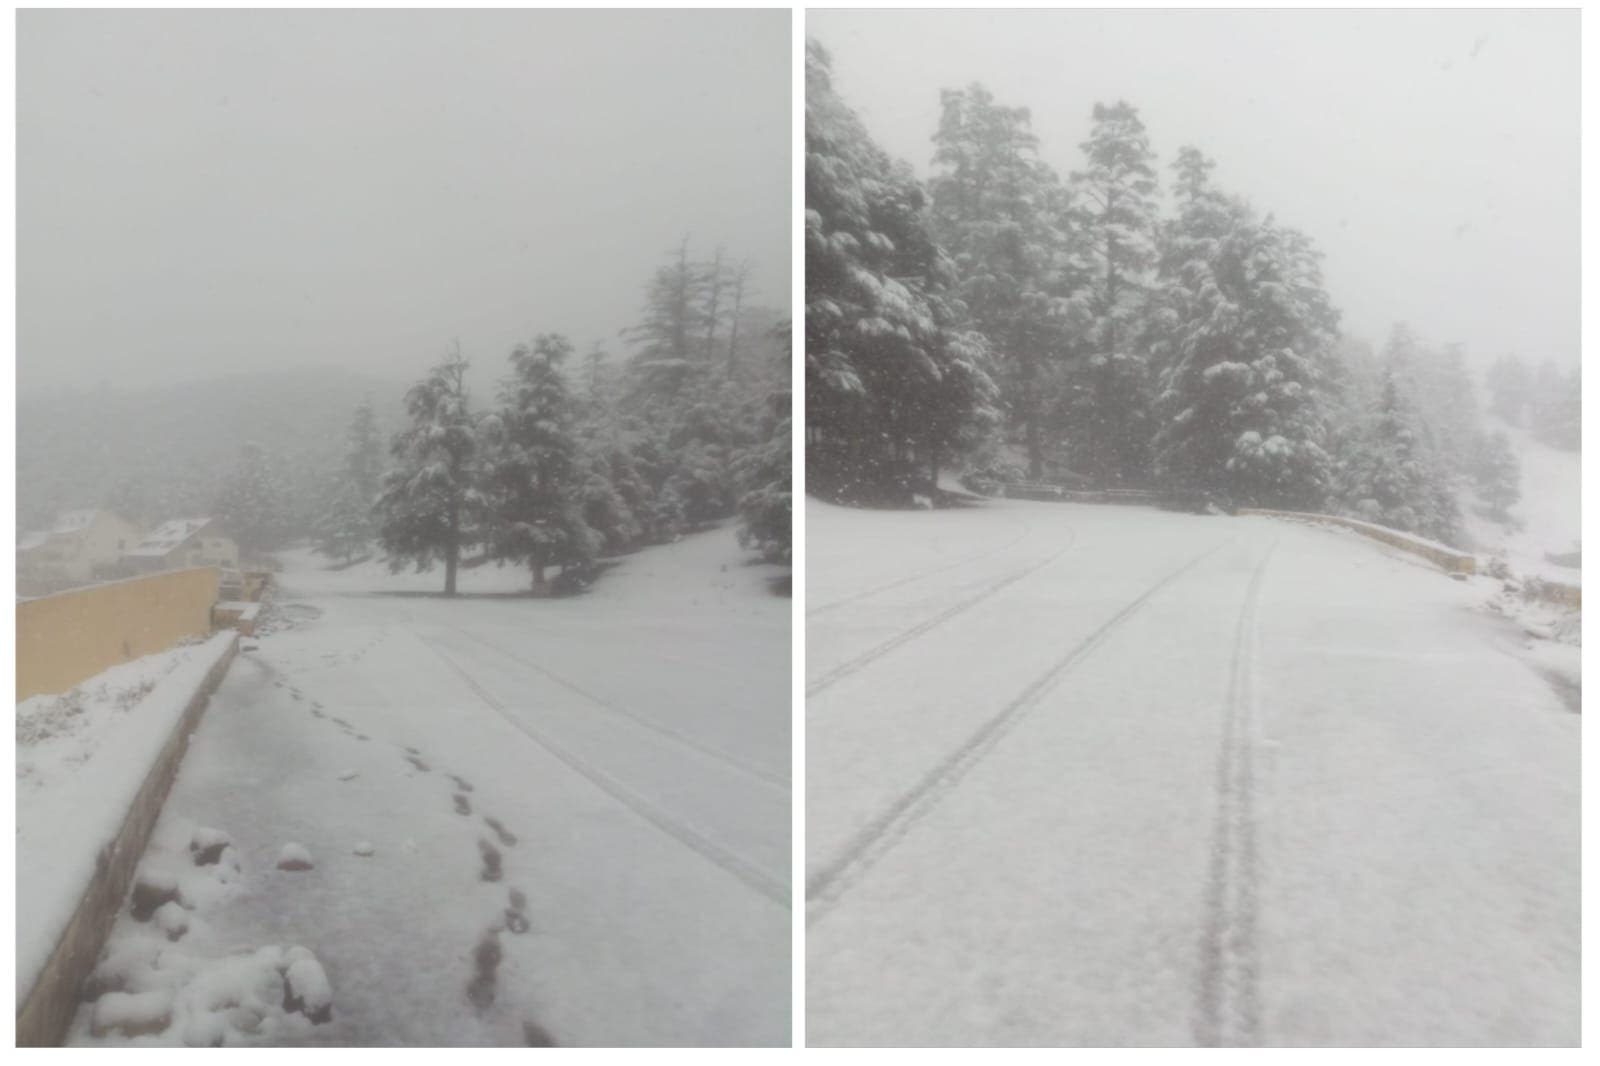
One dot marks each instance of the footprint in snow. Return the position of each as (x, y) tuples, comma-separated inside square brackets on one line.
[(418, 763), (461, 783), (536, 1035), (462, 805), (486, 965), (491, 861), (517, 913), (507, 837)]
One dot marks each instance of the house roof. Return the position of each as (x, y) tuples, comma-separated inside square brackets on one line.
[(74, 521), (168, 535)]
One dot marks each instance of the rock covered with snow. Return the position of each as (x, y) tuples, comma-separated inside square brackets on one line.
[(207, 845), (172, 920), (294, 857), (132, 1013), (306, 989)]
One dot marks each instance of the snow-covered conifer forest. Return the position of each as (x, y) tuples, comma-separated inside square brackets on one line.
[(1132, 323)]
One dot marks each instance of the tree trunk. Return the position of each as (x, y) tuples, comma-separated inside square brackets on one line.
[(452, 551), (540, 586)]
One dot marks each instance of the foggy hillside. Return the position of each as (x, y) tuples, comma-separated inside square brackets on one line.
[(153, 453)]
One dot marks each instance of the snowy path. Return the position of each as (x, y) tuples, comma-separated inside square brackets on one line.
[(1190, 780), (578, 810)]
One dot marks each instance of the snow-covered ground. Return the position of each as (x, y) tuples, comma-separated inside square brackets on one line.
[(1549, 512), (513, 820), (1092, 775), (82, 757)]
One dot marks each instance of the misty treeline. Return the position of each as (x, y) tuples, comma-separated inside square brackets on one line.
[(573, 456), (1026, 326)]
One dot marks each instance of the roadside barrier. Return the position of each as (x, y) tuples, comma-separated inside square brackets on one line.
[(1447, 558)]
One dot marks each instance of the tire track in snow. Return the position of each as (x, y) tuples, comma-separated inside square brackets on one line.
[(1227, 1001), (765, 777), (853, 597), (774, 888), (872, 655), (878, 837)]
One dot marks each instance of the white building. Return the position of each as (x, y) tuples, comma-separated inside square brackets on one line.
[(79, 548), (181, 543)]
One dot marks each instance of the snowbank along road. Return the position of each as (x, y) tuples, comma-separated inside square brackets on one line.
[(1101, 776), (488, 820)]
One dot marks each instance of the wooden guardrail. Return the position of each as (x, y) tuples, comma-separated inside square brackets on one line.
[(1449, 559), (1557, 592), (1032, 490)]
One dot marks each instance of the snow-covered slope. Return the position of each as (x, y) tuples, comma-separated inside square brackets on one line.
[(527, 821), (1550, 510)]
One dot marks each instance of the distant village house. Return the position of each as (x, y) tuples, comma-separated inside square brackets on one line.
[(180, 543), (79, 548)]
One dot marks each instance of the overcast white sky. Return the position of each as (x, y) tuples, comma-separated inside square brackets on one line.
[(1433, 156), (210, 192)]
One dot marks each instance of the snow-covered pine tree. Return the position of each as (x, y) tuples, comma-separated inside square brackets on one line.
[(250, 505), (430, 507), (1396, 479), (348, 525), (892, 378), (1004, 218), (534, 474), (1243, 331), (1510, 389), (739, 279), (1447, 400), (1555, 406), (1498, 476), (1109, 402), (670, 337), (764, 472)]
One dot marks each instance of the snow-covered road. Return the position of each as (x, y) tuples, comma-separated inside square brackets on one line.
[(1103, 776), (578, 810)]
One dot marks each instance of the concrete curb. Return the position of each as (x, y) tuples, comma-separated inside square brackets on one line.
[(45, 1015)]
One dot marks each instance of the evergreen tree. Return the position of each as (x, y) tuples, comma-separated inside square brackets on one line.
[(250, 505), (891, 378), (765, 472), (1003, 217), (1510, 388), (1447, 401), (430, 506), (740, 280), (347, 525), (535, 477), (1244, 332), (1109, 403), (670, 336), (1499, 476), (1397, 479), (1555, 407)]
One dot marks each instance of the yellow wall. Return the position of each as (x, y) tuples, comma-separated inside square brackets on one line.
[(69, 637)]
